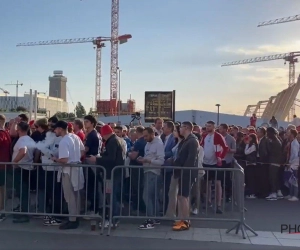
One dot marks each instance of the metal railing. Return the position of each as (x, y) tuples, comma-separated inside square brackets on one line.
[(135, 192), (154, 186), (74, 191)]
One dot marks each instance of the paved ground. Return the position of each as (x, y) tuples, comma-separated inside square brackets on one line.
[(40, 241), (263, 216)]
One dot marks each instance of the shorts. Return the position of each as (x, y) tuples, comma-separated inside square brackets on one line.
[(213, 175)]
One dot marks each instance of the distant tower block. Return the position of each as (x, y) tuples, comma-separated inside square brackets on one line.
[(58, 85)]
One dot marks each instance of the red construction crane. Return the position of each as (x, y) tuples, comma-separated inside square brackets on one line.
[(98, 42), (280, 20)]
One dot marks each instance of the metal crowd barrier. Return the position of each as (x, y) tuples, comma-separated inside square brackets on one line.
[(138, 192), (41, 191)]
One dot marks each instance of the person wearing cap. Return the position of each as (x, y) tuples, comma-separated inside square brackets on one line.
[(69, 152), (110, 158)]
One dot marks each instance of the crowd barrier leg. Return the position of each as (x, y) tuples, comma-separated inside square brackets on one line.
[(241, 225)]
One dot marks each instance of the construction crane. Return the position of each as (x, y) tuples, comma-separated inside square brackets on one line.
[(98, 42), (114, 53), (280, 20), (287, 57), (17, 91), (4, 91)]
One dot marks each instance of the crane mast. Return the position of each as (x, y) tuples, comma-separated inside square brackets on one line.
[(114, 49), (280, 20)]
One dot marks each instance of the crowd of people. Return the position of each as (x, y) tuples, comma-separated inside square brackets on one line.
[(270, 159)]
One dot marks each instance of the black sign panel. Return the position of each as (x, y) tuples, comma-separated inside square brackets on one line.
[(159, 104)]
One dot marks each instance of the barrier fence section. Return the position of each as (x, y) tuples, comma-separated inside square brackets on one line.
[(165, 193), (53, 192)]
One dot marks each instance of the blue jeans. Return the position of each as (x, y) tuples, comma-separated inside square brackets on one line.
[(151, 193)]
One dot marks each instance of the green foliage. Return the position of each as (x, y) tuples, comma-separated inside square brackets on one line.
[(80, 110), (71, 115), (91, 111), (58, 115), (21, 109)]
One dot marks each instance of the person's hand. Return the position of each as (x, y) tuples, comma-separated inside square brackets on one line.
[(169, 160), (53, 158), (143, 160), (219, 161), (17, 119), (91, 159)]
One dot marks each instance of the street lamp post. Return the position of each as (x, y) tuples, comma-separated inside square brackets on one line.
[(218, 117), (119, 83)]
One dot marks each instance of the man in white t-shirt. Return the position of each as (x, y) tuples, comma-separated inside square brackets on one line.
[(23, 154), (69, 152)]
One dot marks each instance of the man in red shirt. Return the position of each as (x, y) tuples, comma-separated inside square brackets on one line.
[(253, 120), (5, 156), (78, 129)]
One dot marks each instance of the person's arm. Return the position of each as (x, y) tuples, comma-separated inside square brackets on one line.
[(160, 155), (13, 130), (109, 156), (134, 154), (82, 148), (47, 143), (63, 153), (223, 145), (294, 151), (249, 150), (20, 155), (192, 154), (232, 148)]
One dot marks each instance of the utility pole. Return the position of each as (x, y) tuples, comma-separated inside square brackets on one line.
[(119, 83), (218, 117), (17, 90)]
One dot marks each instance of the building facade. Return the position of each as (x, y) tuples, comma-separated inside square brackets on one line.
[(58, 85), (198, 116), (46, 104)]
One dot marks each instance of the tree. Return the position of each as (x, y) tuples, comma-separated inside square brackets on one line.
[(58, 115), (64, 115), (21, 109), (80, 110), (91, 111), (71, 115)]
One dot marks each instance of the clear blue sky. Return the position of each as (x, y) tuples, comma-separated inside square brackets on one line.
[(176, 44)]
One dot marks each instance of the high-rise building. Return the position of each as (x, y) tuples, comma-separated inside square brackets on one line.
[(58, 85)]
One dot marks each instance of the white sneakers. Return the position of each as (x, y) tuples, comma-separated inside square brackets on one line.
[(294, 198), (275, 196), (278, 195)]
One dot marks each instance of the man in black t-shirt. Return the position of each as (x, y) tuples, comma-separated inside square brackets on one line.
[(91, 149)]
